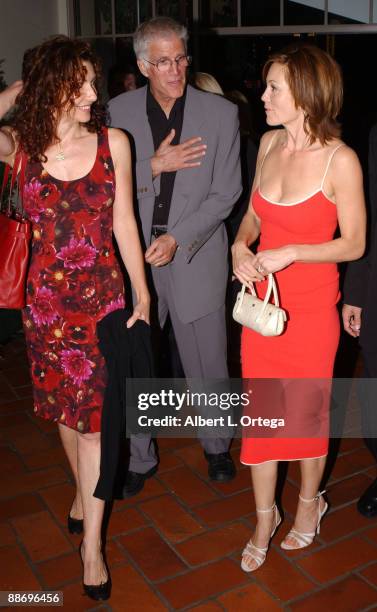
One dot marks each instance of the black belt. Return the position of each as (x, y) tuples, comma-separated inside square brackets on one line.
[(159, 230)]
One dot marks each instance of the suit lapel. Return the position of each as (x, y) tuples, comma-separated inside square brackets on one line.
[(193, 118), (141, 129)]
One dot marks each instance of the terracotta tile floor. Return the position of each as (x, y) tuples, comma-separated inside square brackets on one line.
[(177, 545)]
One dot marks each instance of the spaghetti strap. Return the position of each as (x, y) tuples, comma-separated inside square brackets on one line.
[(267, 150), (329, 162)]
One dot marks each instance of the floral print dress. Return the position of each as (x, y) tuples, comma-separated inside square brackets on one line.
[(74, 280)]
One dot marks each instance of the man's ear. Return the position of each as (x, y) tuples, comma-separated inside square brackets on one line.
[(144, 71)]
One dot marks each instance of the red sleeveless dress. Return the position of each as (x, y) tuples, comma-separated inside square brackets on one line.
[(306, 349), (74, 280)]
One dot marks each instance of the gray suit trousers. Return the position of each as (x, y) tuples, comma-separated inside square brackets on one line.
[(202, 349)]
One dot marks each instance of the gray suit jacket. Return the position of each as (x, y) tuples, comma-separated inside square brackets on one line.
[(202, 198)]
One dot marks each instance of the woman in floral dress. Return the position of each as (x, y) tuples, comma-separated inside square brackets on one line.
[(78, 192)]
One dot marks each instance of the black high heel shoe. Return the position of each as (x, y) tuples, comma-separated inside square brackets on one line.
[(97, 592), (75, 525)]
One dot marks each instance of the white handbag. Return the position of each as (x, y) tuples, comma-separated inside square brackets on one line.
[(261, 316)]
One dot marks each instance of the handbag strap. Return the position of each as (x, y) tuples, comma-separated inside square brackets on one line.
[(19, 168), (5, 178), (21, 181), (271, 288), (5, 182)]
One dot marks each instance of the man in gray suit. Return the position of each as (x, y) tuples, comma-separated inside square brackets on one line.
[(188, 178)]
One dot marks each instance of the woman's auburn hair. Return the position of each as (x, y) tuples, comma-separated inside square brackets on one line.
[(316, 84), (52, 75)]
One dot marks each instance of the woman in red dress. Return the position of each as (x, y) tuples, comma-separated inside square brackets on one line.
[(307, 184), (78, 192)]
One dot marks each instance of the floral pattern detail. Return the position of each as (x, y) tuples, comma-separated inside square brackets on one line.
[(77, 254), (74, 281), (32, 200), (114, 305), (43, 306), (39, 198), (76, 365)]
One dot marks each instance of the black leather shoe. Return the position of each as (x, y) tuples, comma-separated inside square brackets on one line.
[(220, 467), (367, 504), (135, 481), (75, 525)]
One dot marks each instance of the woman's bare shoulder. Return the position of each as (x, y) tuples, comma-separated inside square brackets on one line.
[(119, 143), (267, 142), (344, 169), (341, 153), (270, 136), (117, 137)]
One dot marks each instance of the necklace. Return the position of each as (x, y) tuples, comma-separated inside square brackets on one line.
[(60, 155)]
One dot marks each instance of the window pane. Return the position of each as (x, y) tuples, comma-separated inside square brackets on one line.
[(92, 17), (348, 11), (125, 16), (177, 9), (104, 48), (145, 10), (124, 52), (307, 12), (218, 13), (260, 12), (124, 74)]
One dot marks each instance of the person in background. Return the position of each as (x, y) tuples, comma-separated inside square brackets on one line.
[(360, 321), (78, 191), (121, 79), (206, 82), (307, 183), (188, 178)]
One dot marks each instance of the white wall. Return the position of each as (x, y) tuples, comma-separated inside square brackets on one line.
[(25, 23)]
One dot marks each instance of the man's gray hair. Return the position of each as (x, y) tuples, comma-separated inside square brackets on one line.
[(158, 27)]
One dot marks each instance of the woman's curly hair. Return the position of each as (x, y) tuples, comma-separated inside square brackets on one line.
[(53, 74)]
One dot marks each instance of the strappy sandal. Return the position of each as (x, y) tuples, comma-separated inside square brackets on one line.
[(305, 539), (254, 552)]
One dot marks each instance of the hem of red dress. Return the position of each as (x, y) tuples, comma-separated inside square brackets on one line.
[(284, 459), (59, 422)]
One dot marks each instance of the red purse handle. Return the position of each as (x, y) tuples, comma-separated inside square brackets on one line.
[(18, 169), (5, 180)]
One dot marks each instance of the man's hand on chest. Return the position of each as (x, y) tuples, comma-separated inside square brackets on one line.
[(170, 158)]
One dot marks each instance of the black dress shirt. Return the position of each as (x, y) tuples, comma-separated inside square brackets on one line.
[(161, 126)]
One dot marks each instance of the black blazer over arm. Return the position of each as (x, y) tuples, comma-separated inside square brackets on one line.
[(128, 354)]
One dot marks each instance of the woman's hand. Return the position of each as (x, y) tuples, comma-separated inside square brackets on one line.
[(273, 260), (141, 311), (244, 266), (351, 316)]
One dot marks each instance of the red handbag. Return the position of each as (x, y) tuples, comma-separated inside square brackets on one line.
[(15, 234)]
